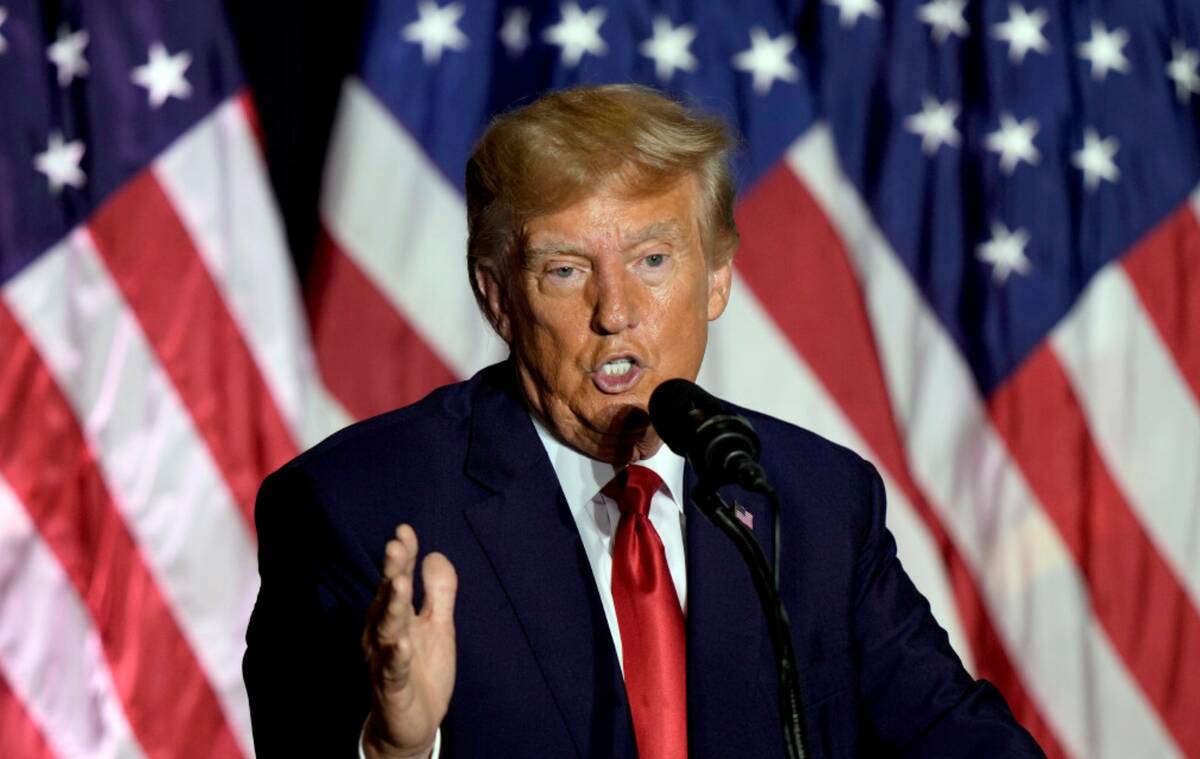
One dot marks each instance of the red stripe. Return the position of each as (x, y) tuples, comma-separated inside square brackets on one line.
[(797, 266), (19, 734), (371, 358), (1165, 269), (164, 280), (170, 703), (245, 101), (1135, 594)]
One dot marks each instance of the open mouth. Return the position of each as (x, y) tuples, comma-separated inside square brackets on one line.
[(617, 374)]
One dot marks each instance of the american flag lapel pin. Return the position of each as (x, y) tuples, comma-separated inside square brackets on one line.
[(743, 516)]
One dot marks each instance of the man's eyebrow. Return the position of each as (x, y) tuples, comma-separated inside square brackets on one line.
[(667, 229), (550, 248)]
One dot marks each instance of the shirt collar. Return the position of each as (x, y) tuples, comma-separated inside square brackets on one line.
[(581, 477)]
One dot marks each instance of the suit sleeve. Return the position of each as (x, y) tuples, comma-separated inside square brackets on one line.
[(922, 701), (305, 673)]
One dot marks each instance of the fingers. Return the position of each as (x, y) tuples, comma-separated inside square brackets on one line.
[(400, 557), (441, 587), (411, 659), (397, 611)]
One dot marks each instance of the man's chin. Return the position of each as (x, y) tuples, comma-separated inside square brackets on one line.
[(626, 436)]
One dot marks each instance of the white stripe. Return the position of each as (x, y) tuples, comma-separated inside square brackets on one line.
[(161, 475), (403, 223), (1141, 414), (215, 178), (1034, 592), (49, 652), (752, 364)]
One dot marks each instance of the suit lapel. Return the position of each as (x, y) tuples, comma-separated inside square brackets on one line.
[(531, 540), (732, 708)]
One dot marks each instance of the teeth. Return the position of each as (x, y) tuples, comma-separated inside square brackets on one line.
[(620, 366)]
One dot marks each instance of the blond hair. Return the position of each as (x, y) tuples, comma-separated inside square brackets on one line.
[(563, 147)]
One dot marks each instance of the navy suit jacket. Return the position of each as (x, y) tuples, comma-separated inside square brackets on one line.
[(537, 672)]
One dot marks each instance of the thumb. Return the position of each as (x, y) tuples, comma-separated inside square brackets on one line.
[(441, 586)]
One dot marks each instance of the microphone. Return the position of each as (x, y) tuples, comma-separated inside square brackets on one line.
[(722, 447)]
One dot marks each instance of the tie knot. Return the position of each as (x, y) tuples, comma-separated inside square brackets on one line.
[(632, 489)]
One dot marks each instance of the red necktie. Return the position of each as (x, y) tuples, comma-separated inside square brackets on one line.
[(650, 619)]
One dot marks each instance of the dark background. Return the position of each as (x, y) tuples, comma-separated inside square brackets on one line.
[(295, 55)]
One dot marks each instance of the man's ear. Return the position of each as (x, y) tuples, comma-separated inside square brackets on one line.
[(493, 291), (720, 280)]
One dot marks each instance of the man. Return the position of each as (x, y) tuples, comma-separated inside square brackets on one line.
[(577, 603)]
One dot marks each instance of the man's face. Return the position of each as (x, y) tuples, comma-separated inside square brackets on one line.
[(614, 297)]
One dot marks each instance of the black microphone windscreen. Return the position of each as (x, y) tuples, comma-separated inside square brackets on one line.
[(677, 409)]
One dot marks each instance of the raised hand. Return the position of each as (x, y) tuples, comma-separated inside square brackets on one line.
[(411, 655)]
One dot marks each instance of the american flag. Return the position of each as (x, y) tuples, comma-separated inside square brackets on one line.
[(971, 252), (154, 366)]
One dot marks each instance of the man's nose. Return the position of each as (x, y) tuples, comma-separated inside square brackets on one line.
[(616, 307)]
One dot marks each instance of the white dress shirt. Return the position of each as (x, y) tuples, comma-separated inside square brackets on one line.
[(596, 517)]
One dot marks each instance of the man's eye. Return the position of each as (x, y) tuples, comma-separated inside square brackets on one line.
[(562, 272), (654, 260)]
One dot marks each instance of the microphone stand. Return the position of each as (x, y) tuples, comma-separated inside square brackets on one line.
[(791, 714)]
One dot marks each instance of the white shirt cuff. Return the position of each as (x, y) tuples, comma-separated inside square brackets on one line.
[(434, 754)]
